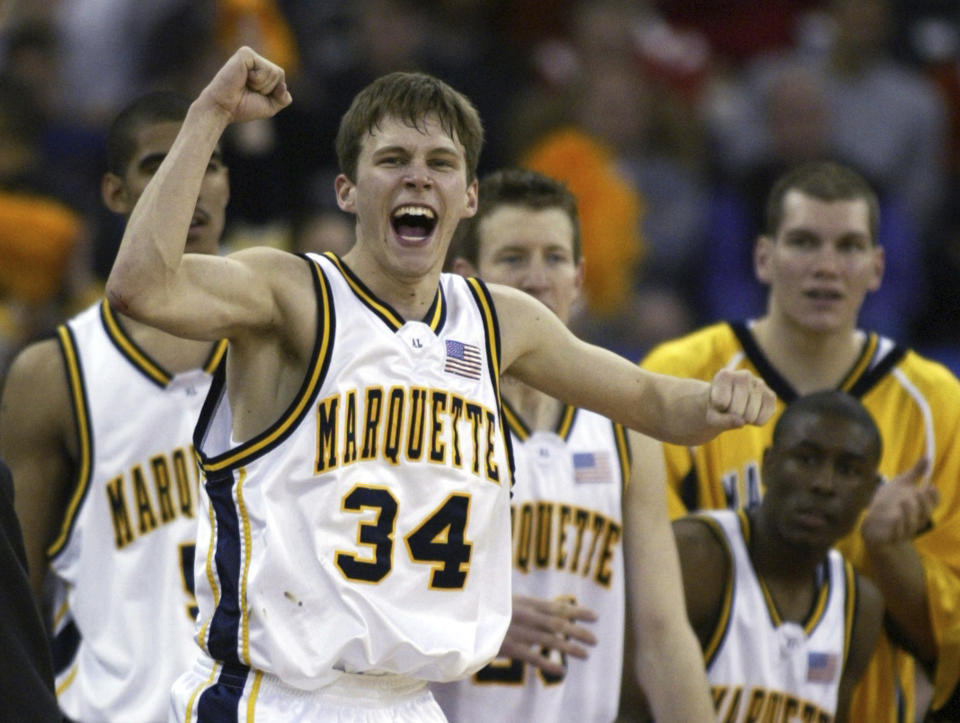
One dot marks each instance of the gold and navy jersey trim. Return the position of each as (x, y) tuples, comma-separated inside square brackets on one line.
[(521, 430), (481, 294), (284, 426), (850, 607), (876, 372), (82, 423), (623, 453), (865, 373), (712, 647), (434, 318)]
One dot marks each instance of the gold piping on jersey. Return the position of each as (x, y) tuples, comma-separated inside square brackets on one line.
[(81, 416), (68, 681), (254, 694), (492, 335), (521, 430), (433, 317), (850, 608), (244, 519), (211, 580), (188, 716), (296, 409), (726, 607), (140, 359), (623, 453)]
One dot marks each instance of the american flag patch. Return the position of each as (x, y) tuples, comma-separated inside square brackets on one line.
[(591, 467), (462, 359), (821, 667)]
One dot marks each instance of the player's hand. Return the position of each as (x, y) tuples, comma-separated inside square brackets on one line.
[(539, 626), (736, 398), (901, 508), (247, 87)]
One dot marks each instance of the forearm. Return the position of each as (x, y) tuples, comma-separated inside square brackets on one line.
[(153, 242), (669, 667), (898, 571)]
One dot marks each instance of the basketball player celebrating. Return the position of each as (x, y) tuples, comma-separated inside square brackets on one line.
[(359, 407)]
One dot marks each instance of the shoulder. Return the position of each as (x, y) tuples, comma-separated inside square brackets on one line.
[(699, 354), (36, 394), (700, 541)]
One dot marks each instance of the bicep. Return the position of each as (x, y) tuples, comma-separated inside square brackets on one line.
[(216, 297), (705, 568), (540, 351)]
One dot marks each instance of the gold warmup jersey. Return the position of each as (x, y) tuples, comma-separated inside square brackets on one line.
[(916, 404), (366, 531), (123, 561), (567, 545)]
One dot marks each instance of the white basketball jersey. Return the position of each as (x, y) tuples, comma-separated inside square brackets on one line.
[(567, 544), (763, 668), (123, 560), (368, 529)]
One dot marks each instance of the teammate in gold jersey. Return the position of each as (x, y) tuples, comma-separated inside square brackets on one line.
[(819, 257)]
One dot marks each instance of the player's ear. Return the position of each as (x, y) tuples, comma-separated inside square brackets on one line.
[(463, 267), (472, 198), (879, 263), (762, 258), (114, 194), (346, 194)]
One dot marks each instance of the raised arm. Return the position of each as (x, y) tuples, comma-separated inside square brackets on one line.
[(667, 656), (39, 444), (539, 350), (192, 295)]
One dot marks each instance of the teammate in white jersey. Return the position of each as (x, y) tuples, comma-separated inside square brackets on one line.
[(787, 626), (572, 467), (97, 425), (355, 459)]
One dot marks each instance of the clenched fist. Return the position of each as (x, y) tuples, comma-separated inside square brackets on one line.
[(247, 87), (737, 398)]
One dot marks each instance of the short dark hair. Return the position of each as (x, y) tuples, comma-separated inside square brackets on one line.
[(831, 403), (826, 181), (156, 107), (410, 98), (517, 187)]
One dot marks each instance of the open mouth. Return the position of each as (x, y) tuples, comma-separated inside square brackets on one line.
[(823, 295), (413, 223)]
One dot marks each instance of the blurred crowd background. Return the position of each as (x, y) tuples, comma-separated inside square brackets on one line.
[(668, 119)]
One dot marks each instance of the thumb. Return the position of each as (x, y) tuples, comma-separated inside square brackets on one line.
[(916, 473)]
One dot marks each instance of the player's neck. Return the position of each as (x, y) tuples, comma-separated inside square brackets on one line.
[(173, 353), (536, 409), (410, 295), (787, 571), (809, 361)]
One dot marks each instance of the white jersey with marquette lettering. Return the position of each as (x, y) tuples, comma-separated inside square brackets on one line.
[(123, 560), (368, 529), (761, 667), (567, 545)]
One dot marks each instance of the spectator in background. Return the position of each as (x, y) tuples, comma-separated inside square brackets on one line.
[(797, 121)]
